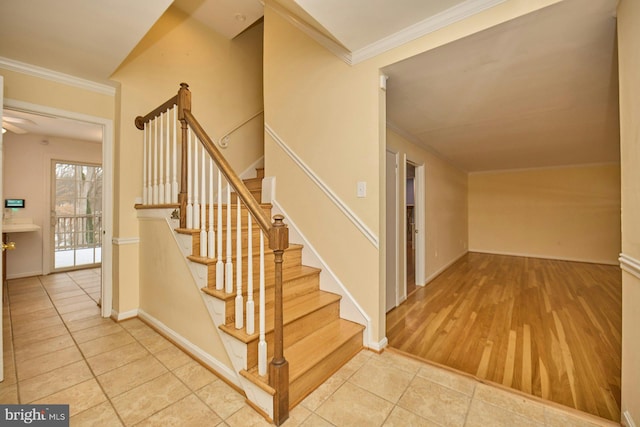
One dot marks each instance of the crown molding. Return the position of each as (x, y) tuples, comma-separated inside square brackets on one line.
[(433, 23), (55, 76), (333, 47), (415, 31)]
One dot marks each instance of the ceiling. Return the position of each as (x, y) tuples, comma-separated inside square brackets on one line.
[(538, 91), (20, 122)]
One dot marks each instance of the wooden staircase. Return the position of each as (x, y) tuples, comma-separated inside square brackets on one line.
[(317, 341)]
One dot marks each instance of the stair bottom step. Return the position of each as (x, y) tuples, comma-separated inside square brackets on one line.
[(316, 357)]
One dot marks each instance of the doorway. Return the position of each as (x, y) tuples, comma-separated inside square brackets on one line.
[(105, 127)]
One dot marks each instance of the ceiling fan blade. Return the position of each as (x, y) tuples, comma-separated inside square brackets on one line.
[(18, 120), (13, 128)]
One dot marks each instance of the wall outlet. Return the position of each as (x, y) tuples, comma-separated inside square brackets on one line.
[(362, 189)]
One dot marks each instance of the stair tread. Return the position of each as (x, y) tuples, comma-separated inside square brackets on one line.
[(289, 273), (207, 261), (311, 350), (294, 309)]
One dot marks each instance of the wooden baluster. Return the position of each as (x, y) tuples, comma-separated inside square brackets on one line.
[(279, 367), (262, 343), (189, 191), (196, 169), (203, 208), (219, 263), (167, 172), (161, 159), (145, 190), (228, 271), (239, 298), (149, 165), (211, 241), (250, 304)]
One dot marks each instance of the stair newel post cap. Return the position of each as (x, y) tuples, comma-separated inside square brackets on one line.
[(184, 100), (279, 234)]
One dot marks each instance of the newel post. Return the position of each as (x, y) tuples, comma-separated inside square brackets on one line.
[(184, 103), (279, 367)]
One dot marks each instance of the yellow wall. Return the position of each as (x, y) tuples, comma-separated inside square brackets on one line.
[(225, 77), (445, 196), (629, 66), (39, 91), (331, 116), (168, 292), (570, 213)]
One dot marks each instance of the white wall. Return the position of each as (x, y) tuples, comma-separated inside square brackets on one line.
[(27, 175)]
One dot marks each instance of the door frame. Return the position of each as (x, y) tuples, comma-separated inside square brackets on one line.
[(107, 188), (2, 295), (392, 247), (420, 220)]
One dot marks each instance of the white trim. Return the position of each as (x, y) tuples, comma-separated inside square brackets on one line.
[(56, 76), (630, 265), (541, 256), (379, 346), (331, 45), (421, 236), (195, 351), (121, 241), (370, 235), (107, 187), (443, 268), (433, 23), (628, 419), (124, 315), (349, 307)]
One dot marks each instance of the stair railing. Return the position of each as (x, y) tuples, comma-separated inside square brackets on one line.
[(204, 197)]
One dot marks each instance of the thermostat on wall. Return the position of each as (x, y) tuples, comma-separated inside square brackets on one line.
[(14, 203)]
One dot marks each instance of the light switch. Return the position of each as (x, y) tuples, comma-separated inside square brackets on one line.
[(362, 189)]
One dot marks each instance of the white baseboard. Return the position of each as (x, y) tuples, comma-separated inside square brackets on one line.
[(379, 346), (526, 255), (627, 419), (195, 351), (124, 315), (443, 268)]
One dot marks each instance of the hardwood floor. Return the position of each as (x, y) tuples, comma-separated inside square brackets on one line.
[(549, 328)]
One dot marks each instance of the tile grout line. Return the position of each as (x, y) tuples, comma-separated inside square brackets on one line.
[(84, 358)]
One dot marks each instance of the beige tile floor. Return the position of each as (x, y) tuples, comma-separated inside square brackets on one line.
[(57, 349)]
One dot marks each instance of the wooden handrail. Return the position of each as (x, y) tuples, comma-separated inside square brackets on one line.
[(226, 169), (276, 232), (141, 120)]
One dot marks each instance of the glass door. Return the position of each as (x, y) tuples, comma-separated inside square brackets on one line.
[(76, 215)]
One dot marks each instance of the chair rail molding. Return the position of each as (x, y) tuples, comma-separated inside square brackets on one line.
[(368, 233), (630, 265)]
